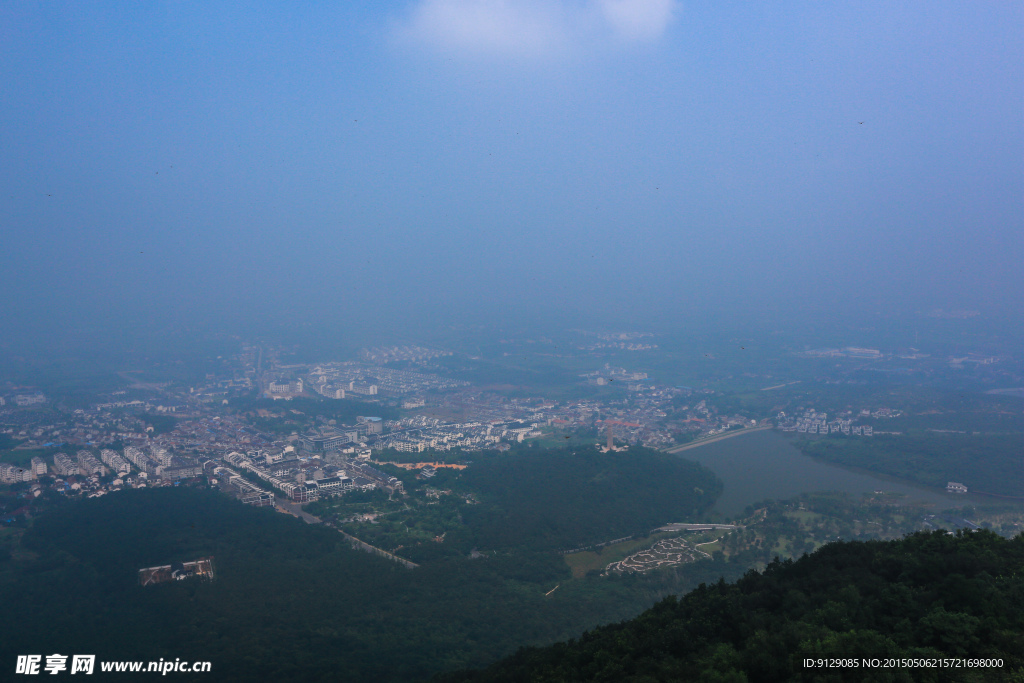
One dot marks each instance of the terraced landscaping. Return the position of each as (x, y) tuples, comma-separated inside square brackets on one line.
[(667, 552)]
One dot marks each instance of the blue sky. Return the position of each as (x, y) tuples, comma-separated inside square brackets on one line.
[(447, 160)]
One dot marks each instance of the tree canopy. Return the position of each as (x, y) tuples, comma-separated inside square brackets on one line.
[(929, 595)]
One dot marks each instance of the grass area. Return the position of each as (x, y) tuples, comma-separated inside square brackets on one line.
[(710, 547), (588, 560), (583, 562), (558, 440), (23, 458), (783, 548), (804, 516)]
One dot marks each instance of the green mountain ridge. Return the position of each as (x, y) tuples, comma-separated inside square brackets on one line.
[(929, 595)]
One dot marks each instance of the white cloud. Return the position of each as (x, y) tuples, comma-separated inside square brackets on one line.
[(638, 19), (532, 28), (504, 26)]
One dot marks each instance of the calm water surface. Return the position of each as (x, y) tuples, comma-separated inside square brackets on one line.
[(763, 465)]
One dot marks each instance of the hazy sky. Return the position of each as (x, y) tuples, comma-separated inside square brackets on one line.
[(352, 164)]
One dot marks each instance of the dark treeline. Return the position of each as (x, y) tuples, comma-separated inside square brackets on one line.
[(454, 455), (533, 500), (554, 499), (930, 595), (993, 463), (290, 601)]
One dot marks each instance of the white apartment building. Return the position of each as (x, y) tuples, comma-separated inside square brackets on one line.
[(38, 467), (161, 456), (12, 474), (137, 457), (63, 466), (114, 461), (88, 465)]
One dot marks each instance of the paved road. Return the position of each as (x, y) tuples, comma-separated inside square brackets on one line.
[(716, 437), (683, 526), (296, 510), (374, 550)]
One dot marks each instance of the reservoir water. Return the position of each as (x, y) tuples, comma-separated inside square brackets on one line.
[(766, 465)]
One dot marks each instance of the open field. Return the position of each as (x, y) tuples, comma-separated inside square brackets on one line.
[(588, 560)]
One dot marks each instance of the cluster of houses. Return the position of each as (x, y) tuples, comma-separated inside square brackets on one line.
[(302, 479), (86, 474), (25, 400), (342, 379), (813, 422)]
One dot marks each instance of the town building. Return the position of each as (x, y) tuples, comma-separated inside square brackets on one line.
[(323, 440), (25, 400), (63, 466), (38, 467), (12, 474)]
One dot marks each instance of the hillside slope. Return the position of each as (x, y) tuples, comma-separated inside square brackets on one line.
[(927, 595)]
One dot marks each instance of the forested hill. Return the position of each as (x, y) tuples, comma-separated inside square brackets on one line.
[(291, 601), (928, 595), (560, 499)]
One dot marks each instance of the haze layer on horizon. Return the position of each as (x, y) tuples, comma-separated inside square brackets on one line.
[(451, 161)]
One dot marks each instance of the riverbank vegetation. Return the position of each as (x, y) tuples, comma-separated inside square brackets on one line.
[(990, 463)]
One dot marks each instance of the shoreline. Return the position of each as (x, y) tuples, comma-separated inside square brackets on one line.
[(716, 438)]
